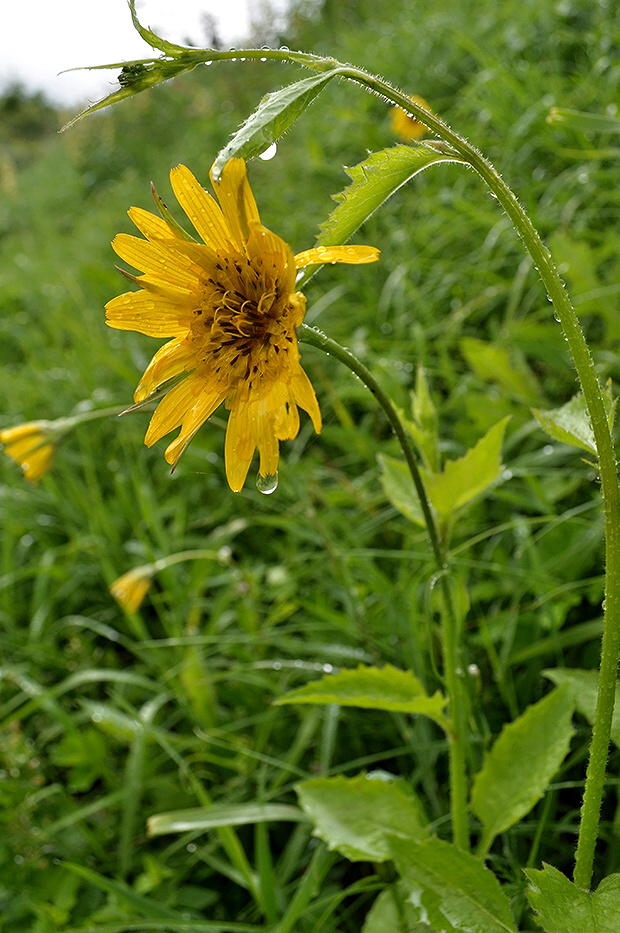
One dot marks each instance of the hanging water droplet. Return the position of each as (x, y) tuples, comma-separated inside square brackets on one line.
[(267, 484), (268, 153)]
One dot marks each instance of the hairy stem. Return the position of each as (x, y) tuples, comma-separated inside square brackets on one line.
[(450, 628)]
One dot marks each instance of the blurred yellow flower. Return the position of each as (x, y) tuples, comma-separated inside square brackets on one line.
[(406, 126), (230, 306), (31, 447), (131, 588)]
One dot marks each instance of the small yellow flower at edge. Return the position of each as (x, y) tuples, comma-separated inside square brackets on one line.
[(131, 588), (31, 446), (230, 307), (406, 126)]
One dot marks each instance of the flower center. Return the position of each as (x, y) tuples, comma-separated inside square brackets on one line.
[(244, 327)]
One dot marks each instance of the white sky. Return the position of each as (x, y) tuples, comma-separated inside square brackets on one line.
[(40, 38)]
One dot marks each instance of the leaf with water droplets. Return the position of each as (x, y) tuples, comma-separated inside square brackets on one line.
[(275, 114)]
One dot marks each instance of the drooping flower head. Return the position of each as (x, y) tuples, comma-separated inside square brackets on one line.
[(230, 306), (31, 446), (130, 589), (406, 126)]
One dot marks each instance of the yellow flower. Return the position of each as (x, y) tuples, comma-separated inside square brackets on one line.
[(406, 126), (29, 446), (230, 306), (131, 588)]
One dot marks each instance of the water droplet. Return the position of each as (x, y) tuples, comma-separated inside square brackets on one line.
[(267, 484), (268, 153)]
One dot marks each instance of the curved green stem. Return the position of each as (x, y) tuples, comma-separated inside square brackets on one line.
[(584, 365), (450, 629)]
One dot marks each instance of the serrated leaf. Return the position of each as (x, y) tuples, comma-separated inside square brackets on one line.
[(583, 686), (458, 894), (182, 821), (464, 479), (357, 816), (569, 424), (385, 688), (275, 114), (562, 907), (520, 765), (398, 487), (374, 181), (493, 363)]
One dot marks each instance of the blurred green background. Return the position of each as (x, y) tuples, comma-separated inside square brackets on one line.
[(107, 718)]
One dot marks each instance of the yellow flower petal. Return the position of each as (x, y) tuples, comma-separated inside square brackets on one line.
[(173, 358), (148, 314), (306, 399), (171, 410), (194, 418), (201, 208), (151, 257), (239, 448), (152, 226), (237, 201), (355, 255)]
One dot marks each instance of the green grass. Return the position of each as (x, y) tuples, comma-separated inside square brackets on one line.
[(107, 718)]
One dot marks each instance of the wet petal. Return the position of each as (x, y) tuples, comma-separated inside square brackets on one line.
[(355, 255), (237, 201), (152, 226), (151, 257), (171, 360), (239, 447), (306, 398), (201, 208), (147, 313), (192, 422)]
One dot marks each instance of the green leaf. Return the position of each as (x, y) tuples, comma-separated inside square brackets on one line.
[(398, 487), (458, 894), (151, 38), (393, 912), (182, 821), (85, 754), (494, 364), (134, 77), (275, 114), (424, 427), (569, 424), (358, 816), (562, 907), (374, 181), (583, 686), (464, 479), (521, 763), (385, 688)]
